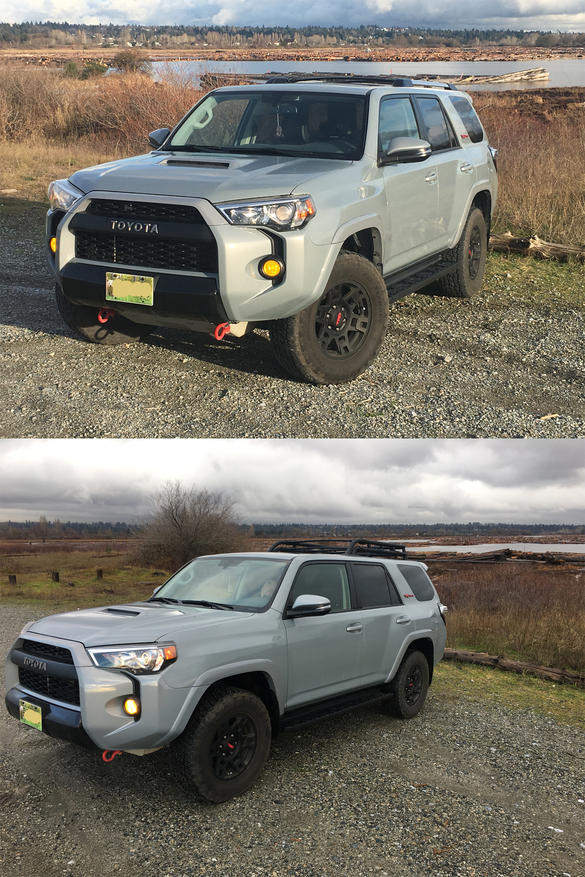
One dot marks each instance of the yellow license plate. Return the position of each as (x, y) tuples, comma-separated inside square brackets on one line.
[(130, 288), (30, 714)]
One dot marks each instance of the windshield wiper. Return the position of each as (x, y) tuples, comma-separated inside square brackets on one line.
[(163, 600), (210, 604)]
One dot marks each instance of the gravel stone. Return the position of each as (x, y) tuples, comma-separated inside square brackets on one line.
[(464, 790)]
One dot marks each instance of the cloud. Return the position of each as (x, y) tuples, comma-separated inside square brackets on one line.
[(341, 481), (530, 14)]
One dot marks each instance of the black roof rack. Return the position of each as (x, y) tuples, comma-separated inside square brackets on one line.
[(358, 78), (361, 547)]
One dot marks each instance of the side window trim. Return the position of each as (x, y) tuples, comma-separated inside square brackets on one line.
[(455, 144), (306, 563)]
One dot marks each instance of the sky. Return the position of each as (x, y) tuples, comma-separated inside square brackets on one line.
[(514, 14), (313, 481)]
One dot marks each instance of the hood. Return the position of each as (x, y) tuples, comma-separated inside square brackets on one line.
[(138, 623), (216, 177)]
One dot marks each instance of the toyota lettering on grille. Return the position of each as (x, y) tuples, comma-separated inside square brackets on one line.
[(35, 664), (133, 225)]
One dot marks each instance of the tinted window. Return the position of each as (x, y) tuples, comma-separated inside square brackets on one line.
[(435, 123), (418, 580), (469, 118), (325, 580), (371, 585), (397, 119)]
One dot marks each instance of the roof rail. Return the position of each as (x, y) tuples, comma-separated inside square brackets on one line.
[(357, 78), (361, 547)]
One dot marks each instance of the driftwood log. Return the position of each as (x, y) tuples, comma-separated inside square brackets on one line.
[(535, 246), (552, 674)]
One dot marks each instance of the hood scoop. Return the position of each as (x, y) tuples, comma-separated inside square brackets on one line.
[(186, 162), (115, 611)]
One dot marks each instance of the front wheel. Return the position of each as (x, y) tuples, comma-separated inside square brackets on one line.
[(337, 337), (410, 686), (84, 322), (470, 258), (225, 745)]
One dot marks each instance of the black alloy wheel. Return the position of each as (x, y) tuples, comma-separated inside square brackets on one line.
[(410, 686), (233, 747), (342, 321)]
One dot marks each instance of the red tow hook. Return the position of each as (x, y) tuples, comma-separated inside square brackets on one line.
[(109, 754), (221, 331), (105, 314)]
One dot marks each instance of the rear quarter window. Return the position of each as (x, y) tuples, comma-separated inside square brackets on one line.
[(418, 581), (469, 118)]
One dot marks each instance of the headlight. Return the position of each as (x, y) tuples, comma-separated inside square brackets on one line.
[(137, 659), (62, 195), (280, 213)]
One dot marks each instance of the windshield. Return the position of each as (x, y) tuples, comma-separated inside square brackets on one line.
[(310, 123), (237, 582)]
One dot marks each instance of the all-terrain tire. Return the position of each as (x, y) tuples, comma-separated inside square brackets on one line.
[(214, 761), (84, 322), (337, 337), (410, 686), (470, 257)]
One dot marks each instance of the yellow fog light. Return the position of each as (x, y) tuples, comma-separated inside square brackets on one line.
[(132, 706), (271, 268), (53, 244)]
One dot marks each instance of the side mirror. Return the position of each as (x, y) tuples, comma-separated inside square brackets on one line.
[(406, 149), (156, 590), (309, 604), (158, 137)]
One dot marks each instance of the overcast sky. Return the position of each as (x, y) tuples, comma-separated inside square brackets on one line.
[(341, 481), (516, 14)]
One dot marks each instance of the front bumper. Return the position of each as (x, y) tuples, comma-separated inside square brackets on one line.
[(58, 721), (187, 299)]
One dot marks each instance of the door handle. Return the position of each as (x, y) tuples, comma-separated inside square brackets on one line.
[(402, 619), (354, 628), (466, 168), (431, 178)]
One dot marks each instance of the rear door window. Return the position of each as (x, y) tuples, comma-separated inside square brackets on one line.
[(436, 127), (469, 118), (418, 581), (372, 586)]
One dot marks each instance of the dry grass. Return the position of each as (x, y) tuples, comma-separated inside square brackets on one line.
[(527, 611)]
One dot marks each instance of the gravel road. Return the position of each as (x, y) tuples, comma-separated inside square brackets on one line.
[(495, 367), (463, 790)]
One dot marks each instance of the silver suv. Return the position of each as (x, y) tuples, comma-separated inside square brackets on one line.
[(232, 648), (299, 206)]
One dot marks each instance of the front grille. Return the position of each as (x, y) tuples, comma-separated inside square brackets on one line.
[(147, 252), (52, 687), (174, 250), (46, 651), (145, 210)]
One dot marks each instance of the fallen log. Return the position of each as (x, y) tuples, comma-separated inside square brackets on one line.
[(535, 246), (552, 674)]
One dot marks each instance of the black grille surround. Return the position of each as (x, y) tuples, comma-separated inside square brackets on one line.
[(173, 237), (46, 651), (53, 687)]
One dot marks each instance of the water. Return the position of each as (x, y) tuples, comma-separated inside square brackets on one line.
[(487, 547), (563, 72)]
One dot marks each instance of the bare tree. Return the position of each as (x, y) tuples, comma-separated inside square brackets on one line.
[(186, 523)]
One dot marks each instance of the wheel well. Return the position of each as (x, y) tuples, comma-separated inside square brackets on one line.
[(366, 243), (260, 685), (426, 647), (483, 200)]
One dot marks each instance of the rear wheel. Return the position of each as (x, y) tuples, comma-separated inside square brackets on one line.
[(337, 337), (410, 686), (470, 259), (225, 745), (84, 322)]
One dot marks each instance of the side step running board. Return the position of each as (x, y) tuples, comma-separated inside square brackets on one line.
[(416, 277), (332, 707)]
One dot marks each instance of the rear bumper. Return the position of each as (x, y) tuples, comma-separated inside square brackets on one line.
[(58, 721)]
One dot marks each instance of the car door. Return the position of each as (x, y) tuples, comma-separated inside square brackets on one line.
[(323, 652), (456, 174), (412, 195), (383, 617)]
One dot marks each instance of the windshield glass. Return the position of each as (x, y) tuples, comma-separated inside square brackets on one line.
[(240, 582), (271, 122)]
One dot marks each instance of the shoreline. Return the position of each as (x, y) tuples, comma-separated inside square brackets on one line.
[(57, 57)]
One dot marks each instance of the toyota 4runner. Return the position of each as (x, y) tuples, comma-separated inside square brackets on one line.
[(303, 205), (229, 650)]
